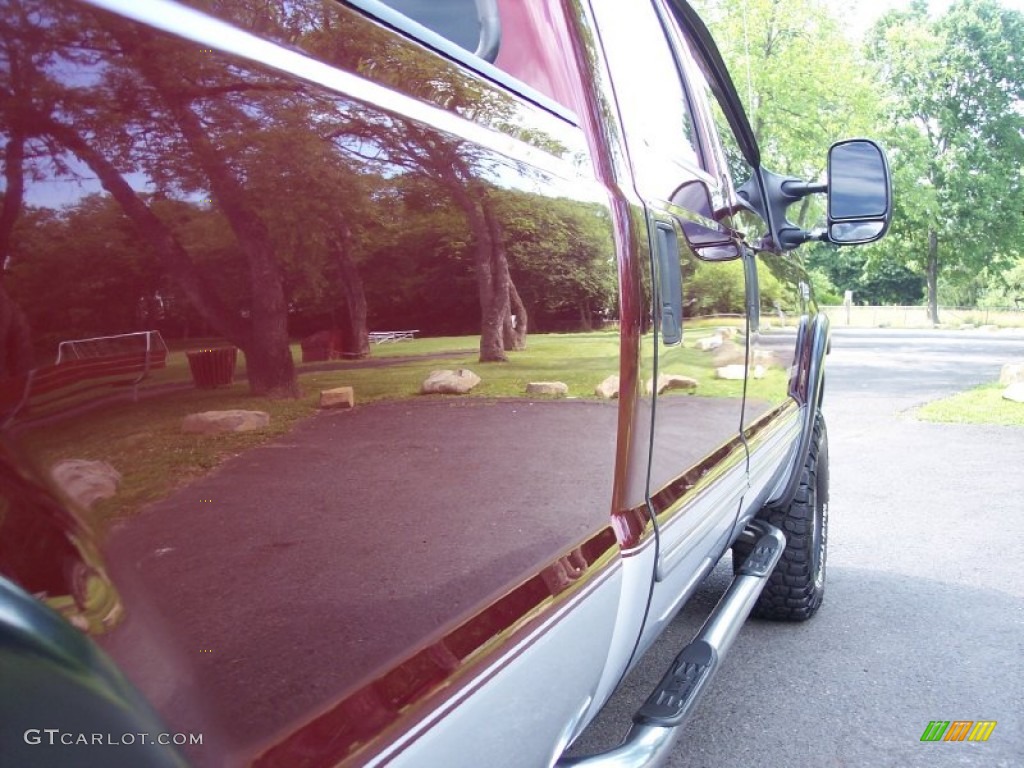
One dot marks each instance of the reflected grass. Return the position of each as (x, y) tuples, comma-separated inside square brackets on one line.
[(144, 442)]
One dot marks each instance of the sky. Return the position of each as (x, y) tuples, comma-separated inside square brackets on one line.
[(858, 15)]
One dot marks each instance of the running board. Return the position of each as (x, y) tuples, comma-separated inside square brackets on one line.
[(657, 724)]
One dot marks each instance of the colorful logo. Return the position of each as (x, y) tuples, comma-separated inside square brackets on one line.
[(958, 730)]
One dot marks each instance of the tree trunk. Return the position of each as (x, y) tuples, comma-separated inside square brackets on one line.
[(517, 308), (933, 276), (357, 333), (269, 363), (493, 301), (15, 338), (15, 335), (586, 316)]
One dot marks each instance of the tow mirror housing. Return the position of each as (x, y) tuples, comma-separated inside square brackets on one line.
[(859, 192)]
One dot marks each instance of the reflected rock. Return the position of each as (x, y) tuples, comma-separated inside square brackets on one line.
[(608, 389), (458, 382), (1015, 392), (556, 388), (737, 372), (86, 482), (710, 343), (339, 397), (667, 381), (212, 422), (1011, 373)]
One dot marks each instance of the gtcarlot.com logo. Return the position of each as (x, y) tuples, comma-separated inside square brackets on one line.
[(55, 736), (958, 730)]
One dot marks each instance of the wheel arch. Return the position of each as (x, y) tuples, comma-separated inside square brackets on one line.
[(807, 388)]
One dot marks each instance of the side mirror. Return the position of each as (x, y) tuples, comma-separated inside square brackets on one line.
[(695, 213), (859, 192)]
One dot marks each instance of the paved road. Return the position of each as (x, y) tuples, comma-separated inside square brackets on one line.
[(924, 611)]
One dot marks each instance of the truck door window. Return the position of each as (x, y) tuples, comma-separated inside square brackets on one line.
[(648, 85), (526, 41), (455, 20), (723, 157)]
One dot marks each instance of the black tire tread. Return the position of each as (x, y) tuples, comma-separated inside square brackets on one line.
[(791, 593)]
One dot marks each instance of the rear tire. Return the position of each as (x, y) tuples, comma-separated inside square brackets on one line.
[(796, 587)]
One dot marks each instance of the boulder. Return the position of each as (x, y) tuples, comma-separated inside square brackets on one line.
[(339, 397), (709, 343), (731, 372), (85, 482), (213, 422), (556, 388), (728, 331), (1015, 392), (1011, 373), (608, 389), (671, 381), (736, 372), (458, 382)]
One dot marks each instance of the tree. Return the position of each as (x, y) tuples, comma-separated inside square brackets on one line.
[(87, 90), (868, 272), (803, 82), (955, 93)]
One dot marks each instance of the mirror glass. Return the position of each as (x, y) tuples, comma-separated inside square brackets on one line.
[(696, 215), (858, 182), (855, 231)]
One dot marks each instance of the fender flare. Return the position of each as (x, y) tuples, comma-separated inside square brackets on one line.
[(807, 387)]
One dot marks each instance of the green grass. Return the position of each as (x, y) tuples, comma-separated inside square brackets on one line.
[(144, 441), (982, 405)]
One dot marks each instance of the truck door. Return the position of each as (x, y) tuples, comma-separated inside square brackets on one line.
[(697, 473)]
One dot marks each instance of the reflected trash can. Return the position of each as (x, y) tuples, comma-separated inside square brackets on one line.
[(323, 345), (212, 368)]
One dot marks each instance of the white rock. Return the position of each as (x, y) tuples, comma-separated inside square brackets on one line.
[(1015, 392), (339, 397), (709, 343), (457, 382), (212, 422), (86, 482), (557, 388), (1011, 373), (736, 372), (731, 372), (608, 389)]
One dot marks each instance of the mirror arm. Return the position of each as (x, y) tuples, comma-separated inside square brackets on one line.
[(800, 189), (781, 192)]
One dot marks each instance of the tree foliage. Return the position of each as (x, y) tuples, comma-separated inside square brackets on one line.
[(955, 109), (803, 83)]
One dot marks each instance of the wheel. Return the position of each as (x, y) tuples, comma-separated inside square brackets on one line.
[(796, 587)]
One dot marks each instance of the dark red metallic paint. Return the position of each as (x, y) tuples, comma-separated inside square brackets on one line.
[(311, 600)]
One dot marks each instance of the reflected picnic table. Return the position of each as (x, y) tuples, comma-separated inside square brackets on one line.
[(382, 337)]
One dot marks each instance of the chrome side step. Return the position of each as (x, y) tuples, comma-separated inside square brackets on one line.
[(657, 724)]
